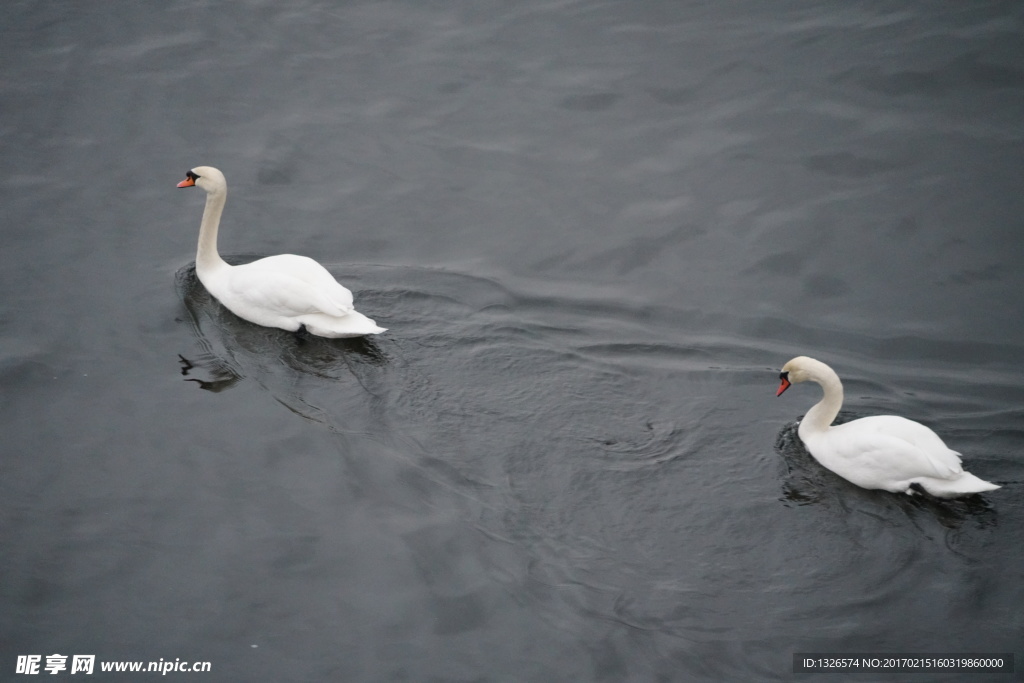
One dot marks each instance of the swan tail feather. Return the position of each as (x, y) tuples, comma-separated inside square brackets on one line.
[(964, 485), (354, 324)]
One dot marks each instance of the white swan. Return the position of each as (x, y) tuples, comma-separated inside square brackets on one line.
[(880, 452), (286, 291)]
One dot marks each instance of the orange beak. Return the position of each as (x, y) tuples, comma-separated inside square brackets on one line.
[(187, 182), (783, 386)]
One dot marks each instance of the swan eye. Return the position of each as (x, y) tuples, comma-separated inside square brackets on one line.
[(784, 375), (192, 176)]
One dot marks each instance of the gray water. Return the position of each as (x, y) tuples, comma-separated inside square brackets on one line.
[(595, 231)]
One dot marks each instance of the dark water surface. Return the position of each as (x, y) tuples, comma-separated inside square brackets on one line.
[(595, 231)]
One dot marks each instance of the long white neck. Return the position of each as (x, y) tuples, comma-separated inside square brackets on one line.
[(207, 258), (821, 416)]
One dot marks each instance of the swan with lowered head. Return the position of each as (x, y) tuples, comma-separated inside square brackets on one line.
[(879, 452), (291, 292)]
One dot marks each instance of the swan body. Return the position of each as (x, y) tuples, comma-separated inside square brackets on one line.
[(286, 291), (881, 452)]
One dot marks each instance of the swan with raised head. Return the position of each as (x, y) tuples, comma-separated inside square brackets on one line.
[(291, 292), (879, 452)]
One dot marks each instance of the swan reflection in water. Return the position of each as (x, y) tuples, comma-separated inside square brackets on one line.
[(807, 482), (232, 348)]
